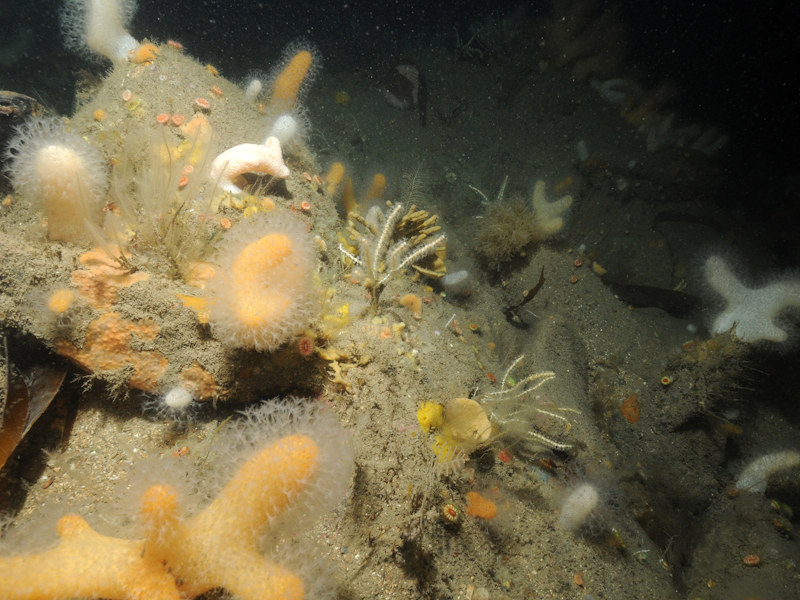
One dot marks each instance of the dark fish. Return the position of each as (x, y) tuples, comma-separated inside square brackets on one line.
[(675, 216), (677, 304)]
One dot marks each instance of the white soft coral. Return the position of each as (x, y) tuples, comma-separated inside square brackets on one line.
[(99, 25), (750, 312)]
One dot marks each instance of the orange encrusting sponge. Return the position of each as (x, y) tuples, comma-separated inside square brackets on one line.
[(178, 558), (287, 83)]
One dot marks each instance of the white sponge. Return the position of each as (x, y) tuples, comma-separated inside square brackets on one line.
[(751, 312)]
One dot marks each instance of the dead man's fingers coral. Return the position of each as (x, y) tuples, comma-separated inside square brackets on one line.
[(265, 159), (301, 465), (99, 25), (295, 74), (548, 217), (86, 564), (262, 291), (219, 546), (750, 312)]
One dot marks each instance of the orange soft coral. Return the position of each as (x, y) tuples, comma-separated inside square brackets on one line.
[(287, 84), (178, 558), (263, 291)]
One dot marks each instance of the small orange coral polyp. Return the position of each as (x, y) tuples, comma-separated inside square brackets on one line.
[(144, 54), (413, 303), (60, 300), (481, 507)]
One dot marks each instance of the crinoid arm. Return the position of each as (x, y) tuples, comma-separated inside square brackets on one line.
[(389, 243), (518, 414)]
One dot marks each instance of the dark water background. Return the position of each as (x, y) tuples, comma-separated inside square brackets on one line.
[(736, 63)]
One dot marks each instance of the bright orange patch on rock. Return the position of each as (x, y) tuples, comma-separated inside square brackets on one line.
[(107, 347), (99, 282), (198, 305)]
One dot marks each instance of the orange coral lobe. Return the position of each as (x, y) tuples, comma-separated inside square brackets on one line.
[(254, 306), (261, 294), (377, 188), (287, 83), (99, 115), (480, 507), (334, 177), (349, 197)]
